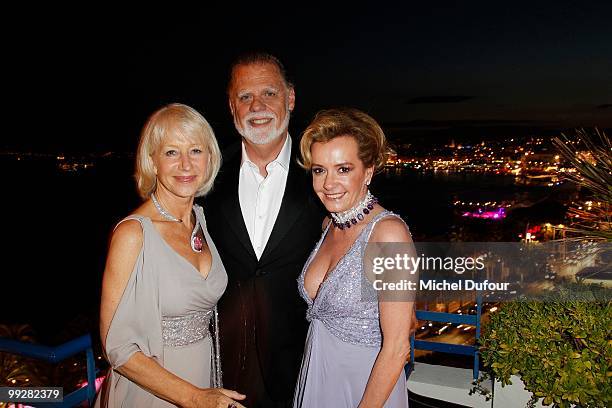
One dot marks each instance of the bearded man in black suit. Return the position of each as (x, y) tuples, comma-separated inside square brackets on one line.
[(264, 220)]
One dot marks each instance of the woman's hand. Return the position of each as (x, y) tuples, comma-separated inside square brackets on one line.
[(217, 398)]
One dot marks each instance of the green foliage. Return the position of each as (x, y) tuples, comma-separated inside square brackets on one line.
[(561, 349)]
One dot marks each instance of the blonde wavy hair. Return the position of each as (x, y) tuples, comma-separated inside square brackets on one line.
[(175, 119), (328, 124)]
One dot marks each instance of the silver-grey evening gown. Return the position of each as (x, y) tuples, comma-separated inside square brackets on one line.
[(165, 312), (344, 337)]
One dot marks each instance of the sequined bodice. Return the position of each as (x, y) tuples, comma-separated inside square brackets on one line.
[(346, 302)]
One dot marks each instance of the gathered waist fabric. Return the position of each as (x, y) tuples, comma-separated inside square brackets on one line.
[(355, 330), (183, 330)]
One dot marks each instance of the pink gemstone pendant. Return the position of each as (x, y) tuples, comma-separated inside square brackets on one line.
[(196, 243)]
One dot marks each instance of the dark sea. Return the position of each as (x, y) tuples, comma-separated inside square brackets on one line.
[(56, 226)]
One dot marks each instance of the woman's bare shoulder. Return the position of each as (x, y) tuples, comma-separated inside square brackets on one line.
[(391, 229), (129, 230), (128, 234)]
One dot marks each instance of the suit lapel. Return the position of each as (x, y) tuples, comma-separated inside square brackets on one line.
[(230, 205), (292, 205)]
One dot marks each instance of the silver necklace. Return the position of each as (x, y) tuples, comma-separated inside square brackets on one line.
[(196, 241), (163, 211)]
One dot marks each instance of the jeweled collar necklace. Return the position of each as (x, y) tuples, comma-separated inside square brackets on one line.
[(348, 218)]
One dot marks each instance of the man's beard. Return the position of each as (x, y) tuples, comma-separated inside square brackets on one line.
[(254, 136)]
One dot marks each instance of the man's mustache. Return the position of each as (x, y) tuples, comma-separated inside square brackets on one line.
[(259, 115)]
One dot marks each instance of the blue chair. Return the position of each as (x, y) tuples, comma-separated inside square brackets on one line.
[(460, 349), (56, 355)]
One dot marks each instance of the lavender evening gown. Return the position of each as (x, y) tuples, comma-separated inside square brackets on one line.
[(344, 337), (164, 313)]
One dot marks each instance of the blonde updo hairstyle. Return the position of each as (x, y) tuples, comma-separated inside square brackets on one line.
[(328, 124), (178, 120)]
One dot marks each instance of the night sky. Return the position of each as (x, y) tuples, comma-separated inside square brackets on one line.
[(79, 80)]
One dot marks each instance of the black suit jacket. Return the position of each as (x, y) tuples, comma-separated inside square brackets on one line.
[(261, 308)]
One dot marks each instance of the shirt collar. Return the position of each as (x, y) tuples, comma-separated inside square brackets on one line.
[(283, 158)]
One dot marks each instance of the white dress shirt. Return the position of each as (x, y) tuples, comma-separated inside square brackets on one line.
[(260, 197)]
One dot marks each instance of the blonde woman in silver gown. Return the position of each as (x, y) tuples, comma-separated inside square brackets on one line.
[(358, 341), (163, 276)]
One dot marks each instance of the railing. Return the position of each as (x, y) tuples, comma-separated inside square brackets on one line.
[(56, 355), (460, 349)]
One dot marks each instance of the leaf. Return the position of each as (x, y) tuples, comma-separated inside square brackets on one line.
[(561, 348)]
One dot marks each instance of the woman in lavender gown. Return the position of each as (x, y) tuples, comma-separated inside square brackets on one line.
[(164, 276), (357, 342)]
